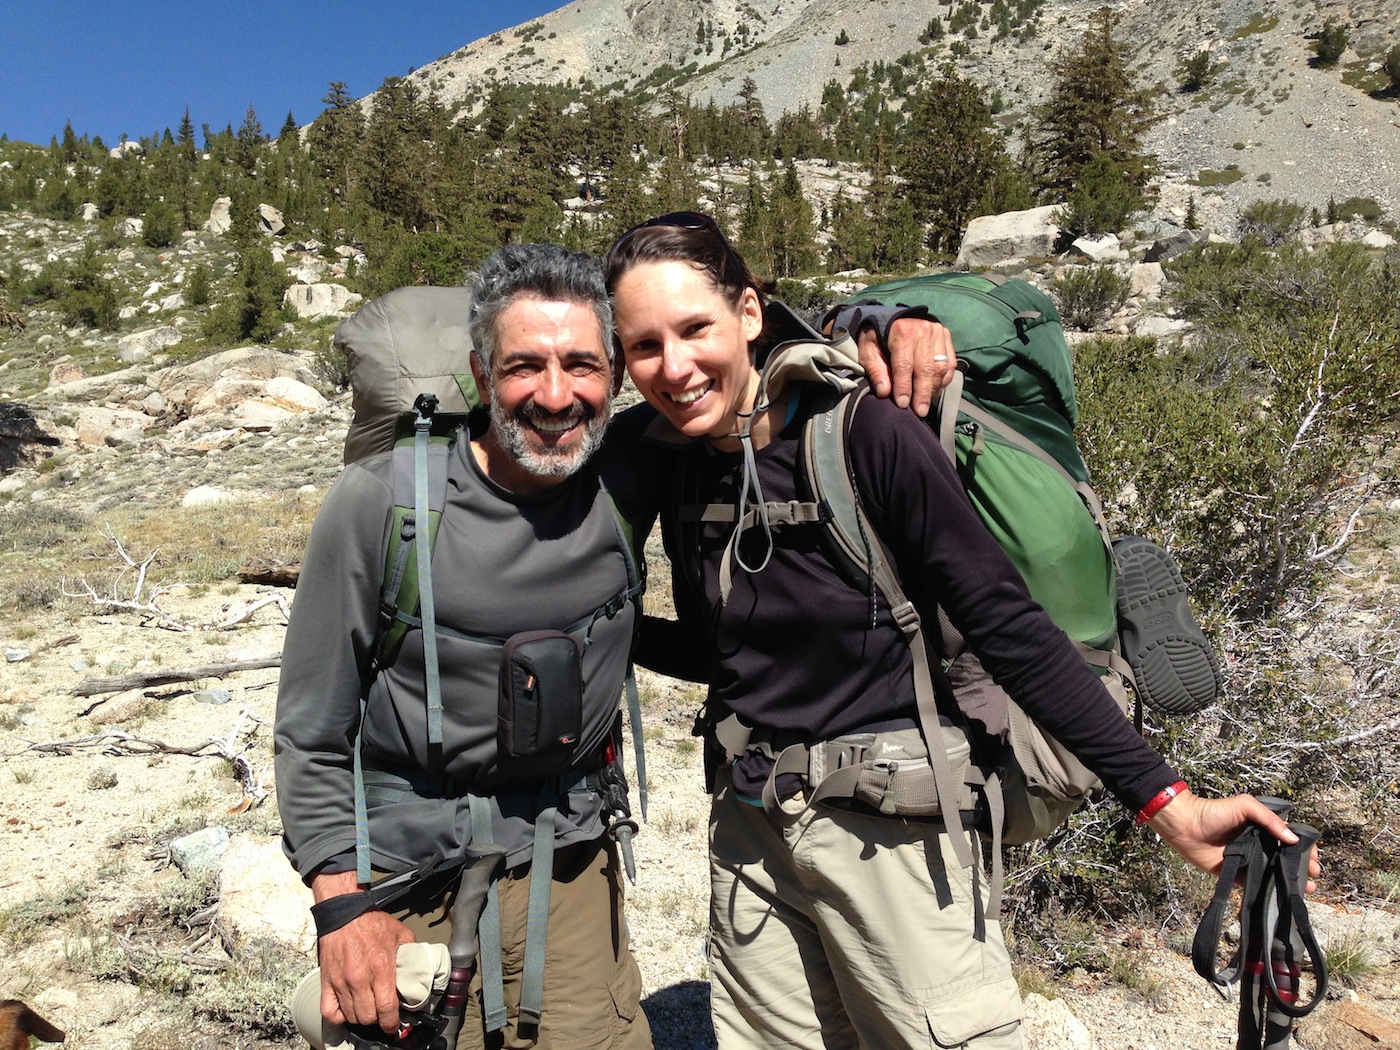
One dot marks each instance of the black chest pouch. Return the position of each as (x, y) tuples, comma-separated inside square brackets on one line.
[(541, 702)]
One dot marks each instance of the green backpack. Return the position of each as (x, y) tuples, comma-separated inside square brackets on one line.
[(1007, 422)]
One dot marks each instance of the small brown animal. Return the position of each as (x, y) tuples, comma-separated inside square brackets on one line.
[(18, 1023)]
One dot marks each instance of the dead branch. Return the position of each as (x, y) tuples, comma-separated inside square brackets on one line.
[(144, 679), (136, 602), (270, 574), (148, 605), (117, 744), (244, 613)]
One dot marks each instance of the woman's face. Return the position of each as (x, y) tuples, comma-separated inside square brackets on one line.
[(686, 347)]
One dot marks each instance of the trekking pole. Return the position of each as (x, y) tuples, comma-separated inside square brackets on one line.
[(1283, 978), (1275, 933), (462, 943), (621, 826)]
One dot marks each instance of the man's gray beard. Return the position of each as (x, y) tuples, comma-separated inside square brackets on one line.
[(547, 462)]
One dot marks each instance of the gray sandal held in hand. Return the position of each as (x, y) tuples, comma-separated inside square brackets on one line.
[(1175, 667)]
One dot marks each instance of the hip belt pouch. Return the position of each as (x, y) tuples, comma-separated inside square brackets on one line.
[(541, 695)]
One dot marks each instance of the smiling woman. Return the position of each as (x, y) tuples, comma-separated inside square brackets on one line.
[(843, 916)]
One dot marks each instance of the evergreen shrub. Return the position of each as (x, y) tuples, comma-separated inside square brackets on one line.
[(1271, 221), (1246, 450), (1089, 295), (1330, 43)]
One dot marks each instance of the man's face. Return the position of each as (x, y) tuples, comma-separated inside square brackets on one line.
[(550, 391)]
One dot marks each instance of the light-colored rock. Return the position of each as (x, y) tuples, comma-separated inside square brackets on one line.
[(306, 273), (320, 300), (183, 385), (1147, 281), (131, 226), (261, 897), (153, 404), (95, 424), (206, 496), (1170, 244), (1105, 249), (193, 435), (1161, 327), (176, 301), (139, 346), (197, 854), (270, 220), (294, 393), (1378, 239), (124, 437), (1347, 1025), (66, 372), (1049, 1025), (219, 222), (1013, 236), (90, 212), (94, 388), (259, 414)]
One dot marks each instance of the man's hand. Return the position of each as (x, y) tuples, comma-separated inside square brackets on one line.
[(1200, 829), (359, 962), (921, 362)]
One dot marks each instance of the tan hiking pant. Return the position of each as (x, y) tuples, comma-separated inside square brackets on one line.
[(849, 930), (592, 987)]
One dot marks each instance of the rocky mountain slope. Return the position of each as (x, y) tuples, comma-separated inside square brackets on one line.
[(1270, 124)]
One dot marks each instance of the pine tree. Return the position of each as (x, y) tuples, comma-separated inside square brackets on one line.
[(1330, 43), (253, 308), (248, 143), (954, 162), (794, 247), (333, 140), (1096, 109), (852, 245)]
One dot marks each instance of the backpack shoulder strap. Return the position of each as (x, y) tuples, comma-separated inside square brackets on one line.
[(827, 462), (419, 472)]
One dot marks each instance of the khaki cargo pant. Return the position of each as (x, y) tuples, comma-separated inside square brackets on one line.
[(849, 930), (592, 987)]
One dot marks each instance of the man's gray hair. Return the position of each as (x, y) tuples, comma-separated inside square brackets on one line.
[(535, 271)]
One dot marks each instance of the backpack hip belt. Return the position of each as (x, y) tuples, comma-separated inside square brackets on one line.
[(888, 770)]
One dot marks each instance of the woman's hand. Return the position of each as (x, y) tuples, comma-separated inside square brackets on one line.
[(1200, 828)]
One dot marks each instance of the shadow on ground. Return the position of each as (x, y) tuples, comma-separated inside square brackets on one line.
[(680, 1017)]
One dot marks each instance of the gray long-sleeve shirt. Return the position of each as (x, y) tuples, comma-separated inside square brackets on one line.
[(502, 564)]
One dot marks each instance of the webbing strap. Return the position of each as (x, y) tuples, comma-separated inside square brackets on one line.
[(634, 715), (537, 916), (829, 468), (362, 872), (493, 996), (427, 612)]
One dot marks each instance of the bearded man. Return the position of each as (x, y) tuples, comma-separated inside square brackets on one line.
[(529, 552)]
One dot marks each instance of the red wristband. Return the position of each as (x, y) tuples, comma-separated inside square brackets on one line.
[(1158, 802)]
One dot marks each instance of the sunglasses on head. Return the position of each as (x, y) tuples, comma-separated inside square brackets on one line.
[(681, 220)]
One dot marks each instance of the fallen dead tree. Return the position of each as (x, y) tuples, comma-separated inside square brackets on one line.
[(146, 679)]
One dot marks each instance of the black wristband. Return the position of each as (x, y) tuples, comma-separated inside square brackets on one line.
[(334, 912)]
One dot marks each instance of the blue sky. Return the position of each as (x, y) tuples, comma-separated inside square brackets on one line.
[(114, 67)]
